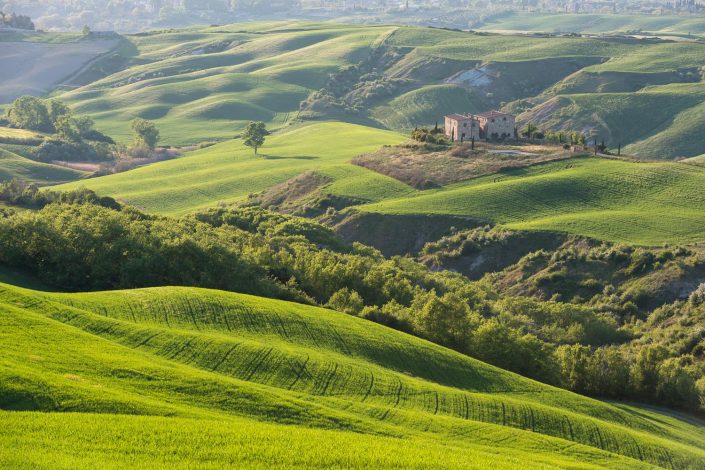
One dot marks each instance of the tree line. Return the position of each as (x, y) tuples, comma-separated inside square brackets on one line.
[(13, 20)]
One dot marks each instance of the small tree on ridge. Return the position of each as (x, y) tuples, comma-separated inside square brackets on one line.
[(254, 135)]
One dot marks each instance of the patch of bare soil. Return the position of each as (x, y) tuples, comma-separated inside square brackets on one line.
[(425, 167), (78, 165), (292, 190)]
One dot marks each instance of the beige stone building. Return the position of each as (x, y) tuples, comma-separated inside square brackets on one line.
[(462, 127), (493, 125)]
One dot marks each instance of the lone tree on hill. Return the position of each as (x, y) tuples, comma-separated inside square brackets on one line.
[(254, 135), (145, 133)]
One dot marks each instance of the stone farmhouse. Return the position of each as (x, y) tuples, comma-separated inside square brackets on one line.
[(493, 125)]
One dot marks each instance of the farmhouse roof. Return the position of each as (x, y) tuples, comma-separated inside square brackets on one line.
[(491, 114), (459, 117)]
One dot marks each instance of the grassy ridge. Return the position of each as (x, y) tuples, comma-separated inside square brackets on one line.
[(230, 171), (217, 360), (15, 166), (203, 84), (641, 203), (596, 23)]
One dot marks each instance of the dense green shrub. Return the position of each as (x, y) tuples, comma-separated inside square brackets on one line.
[(72, 151)]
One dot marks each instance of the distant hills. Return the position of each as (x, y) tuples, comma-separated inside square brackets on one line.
[(205, 84)]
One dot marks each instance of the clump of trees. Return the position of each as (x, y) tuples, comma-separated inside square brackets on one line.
[(433, 136), (73, 138), (20, 193), (28, 112), (556, 137), (145, 137)]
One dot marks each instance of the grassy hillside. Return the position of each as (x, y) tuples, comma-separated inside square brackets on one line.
[(596, 23), (179, 369), (15, 166), (36, 63), (229, 171), (205, 83), (620, 201), (641, 203)]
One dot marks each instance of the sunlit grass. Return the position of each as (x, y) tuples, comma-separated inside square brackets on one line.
[(211, 367)]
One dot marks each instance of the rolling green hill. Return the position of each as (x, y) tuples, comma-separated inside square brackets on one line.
[(640, 203), (204, 84), (620, 201), (229, 171), (596, 23), (16, 166), (175, 376), (37, 63)]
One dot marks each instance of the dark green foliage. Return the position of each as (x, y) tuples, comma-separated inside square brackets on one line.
[(28, 112), (346, 301), (650, 374), (91, 247), (254, 135), (508, 349), (76, 140), (67, 129), (56, 110), (73, 151), (429, 136), (145, 134), (19, 193)]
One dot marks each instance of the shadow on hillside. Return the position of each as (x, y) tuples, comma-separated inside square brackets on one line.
[(277, 157), (21, 278)]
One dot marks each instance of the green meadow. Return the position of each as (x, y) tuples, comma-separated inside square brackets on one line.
[(639, 203), (665, 25), (184, 377), (13, 165), (229, 171), (620, 201), (176, 376)]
